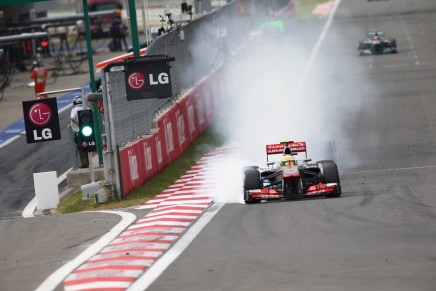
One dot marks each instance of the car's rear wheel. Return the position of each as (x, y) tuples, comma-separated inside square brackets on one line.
[(251, 182), (330, 174), (394, 46)]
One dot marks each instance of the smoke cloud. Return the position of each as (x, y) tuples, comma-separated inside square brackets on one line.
[(261, 108)]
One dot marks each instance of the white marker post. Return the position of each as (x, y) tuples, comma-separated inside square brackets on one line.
[(46, 190)]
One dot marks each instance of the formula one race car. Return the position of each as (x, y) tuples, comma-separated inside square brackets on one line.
[(377, 44), (291, 178)]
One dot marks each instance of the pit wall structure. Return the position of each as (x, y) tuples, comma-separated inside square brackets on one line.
[(148, 141), (176, 129)]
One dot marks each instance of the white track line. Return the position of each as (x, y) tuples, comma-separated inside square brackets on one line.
[(172, 254), (60, 274), (9, 141), (65, 108), (162, 263), (315, 51), (31, 206), (388, 170)]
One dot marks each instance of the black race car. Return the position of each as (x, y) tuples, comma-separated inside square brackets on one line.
[(376, 43), (297, 179)]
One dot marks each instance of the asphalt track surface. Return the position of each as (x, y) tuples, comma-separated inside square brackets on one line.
[(19, 162), (380, 235), (33, 248)]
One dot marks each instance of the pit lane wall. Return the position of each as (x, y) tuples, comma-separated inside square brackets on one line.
[(187, 117), (176, 129)]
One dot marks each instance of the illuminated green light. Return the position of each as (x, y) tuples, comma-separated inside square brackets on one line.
[(87, 130)]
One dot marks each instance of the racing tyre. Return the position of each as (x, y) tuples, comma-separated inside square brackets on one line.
[(330, 174), (394, 45), (325, 161), (246, 168), (251, 182), (360, 48)]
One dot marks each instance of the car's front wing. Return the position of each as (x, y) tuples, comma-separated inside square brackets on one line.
[(386, 50), (273, 194)]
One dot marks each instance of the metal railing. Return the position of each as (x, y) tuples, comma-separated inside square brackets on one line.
[(198, 48)]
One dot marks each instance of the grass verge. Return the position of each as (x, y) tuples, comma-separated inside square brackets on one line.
[(202, 145), (304, 8)]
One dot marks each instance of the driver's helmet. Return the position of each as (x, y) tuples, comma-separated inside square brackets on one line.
[(376, 36), (77, 100), (287, 161)]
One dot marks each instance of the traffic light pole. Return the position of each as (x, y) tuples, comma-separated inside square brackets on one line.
[(133, 27), (90, 163), (92, 81), (109, 166), (82, 93)]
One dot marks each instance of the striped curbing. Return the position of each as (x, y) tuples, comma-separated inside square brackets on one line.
[(134, 251)]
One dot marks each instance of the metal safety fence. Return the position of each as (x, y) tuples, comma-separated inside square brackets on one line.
[(131, 119), (198, 48)]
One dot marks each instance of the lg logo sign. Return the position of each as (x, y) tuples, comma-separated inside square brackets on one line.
[(41, 120), (147, 79), (40, 114), (162, 78), (137, 80)]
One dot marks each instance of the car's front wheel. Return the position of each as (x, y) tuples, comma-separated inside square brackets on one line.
[(251, 182), (330, 174)]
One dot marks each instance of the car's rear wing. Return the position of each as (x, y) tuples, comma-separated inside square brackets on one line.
[(278, 148), (371, 34)]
